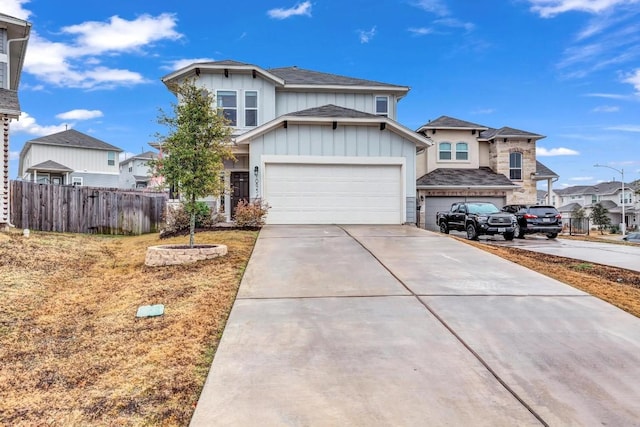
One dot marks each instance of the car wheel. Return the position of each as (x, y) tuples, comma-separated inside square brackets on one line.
[(443, 227), (508, 236), (552, 235), (471, 232)]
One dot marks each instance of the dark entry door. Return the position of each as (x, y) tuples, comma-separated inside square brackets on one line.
[(239, 189)]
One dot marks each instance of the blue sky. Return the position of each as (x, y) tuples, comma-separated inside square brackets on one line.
[(567, 69)]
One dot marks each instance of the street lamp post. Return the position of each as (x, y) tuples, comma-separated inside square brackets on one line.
[(623, 224)]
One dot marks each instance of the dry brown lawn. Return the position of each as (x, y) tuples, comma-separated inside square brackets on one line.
[(72, 351)]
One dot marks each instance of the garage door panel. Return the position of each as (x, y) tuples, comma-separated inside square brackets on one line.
[(333, 194)]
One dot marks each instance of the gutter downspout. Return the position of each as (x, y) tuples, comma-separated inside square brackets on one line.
[(21, 39)]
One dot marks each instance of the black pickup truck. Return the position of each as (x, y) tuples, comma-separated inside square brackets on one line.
[(478, 218)]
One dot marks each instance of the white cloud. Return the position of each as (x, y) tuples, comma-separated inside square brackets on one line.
[(606, 109), (437, 7), (422, 31), (607, 95), (78, 64), (28, 125), (181, 63), (15, 8), (14, 155), (484, 111), (560, 151), (366, 36), (455, 23), (121, 35), (299, 9), (125, 155), (79, 114), (625, 128), (633, 78), (551, 8), (581, 178)]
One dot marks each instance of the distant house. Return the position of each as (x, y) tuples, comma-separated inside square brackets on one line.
[(14, 36), (135, 171), (477, 162), (609, 194), (319, 148), (70, 158)]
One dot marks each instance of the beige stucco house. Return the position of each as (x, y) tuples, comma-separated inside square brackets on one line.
[(468, 161)]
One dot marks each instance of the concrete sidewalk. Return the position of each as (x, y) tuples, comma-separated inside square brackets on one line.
[(362, 325)]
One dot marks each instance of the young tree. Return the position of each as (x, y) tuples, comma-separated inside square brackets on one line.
[(194, 148), (599, 217), (578, 213)]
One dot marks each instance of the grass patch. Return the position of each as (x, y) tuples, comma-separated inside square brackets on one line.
[(72, 350), (583, 266)]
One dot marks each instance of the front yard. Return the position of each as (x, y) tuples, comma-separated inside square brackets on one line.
[(72, 351)]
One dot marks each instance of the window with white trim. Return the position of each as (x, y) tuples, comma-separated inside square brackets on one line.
[(515, 166), (111, 158), (76, 181), (462, 151), (227, 101), (444, 151), (382, 106), (251, 108)]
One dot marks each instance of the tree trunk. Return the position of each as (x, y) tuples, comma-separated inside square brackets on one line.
[(192, 223)]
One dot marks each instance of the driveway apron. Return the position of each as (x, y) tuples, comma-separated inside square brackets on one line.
[(397, 326)]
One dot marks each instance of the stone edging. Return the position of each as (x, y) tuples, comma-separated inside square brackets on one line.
[(181, 254)]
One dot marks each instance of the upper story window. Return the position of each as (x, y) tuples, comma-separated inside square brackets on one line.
[(626, 197), (111, 158), (462, 151), (515, 166), (444, 151), (594, 198), (382, 106), (228, 102), (251, 108)]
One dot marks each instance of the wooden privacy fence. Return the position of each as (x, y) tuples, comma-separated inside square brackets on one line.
[(63, 208)]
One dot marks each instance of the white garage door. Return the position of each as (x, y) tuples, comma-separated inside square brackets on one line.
[(333, 193), (435, 204)]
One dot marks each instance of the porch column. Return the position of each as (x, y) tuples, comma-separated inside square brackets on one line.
[(227, 195), (4, 199)]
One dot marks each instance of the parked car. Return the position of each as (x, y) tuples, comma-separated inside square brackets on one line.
[(477, 218), (536, 219), (632, 237)]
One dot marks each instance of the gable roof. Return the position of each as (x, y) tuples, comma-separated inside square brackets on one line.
[(543, 172), (50, 166), (449, 177), (73, 138), (285, 77), (446, 122), (603, 189), (147, 155), (333, 114)]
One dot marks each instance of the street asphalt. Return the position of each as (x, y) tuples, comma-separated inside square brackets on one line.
[(397, 326)]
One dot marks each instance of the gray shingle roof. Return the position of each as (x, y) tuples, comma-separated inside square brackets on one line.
[(331, 110), (229, 62), (147, 155), (300, 76), (569, 208), (604, 188), (73, 138), (464, 178), (9, 101), (507, 132), (446, 122), (542, 170), (50, 165)]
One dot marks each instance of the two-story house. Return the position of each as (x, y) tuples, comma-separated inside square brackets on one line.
[(608, 194), (136, 173), (14, 36), (476, 162), (70, 158), (317, 147)]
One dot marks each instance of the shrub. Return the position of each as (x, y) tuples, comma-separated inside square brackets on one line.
[(177, 218), (251, 214)]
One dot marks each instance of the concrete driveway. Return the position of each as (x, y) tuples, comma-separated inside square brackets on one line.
[(397, 326)]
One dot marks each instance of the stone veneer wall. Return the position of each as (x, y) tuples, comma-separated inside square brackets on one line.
[(499, 152)]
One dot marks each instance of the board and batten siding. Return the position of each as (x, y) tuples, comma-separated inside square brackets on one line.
[(241, 83), (291, 102), (344, 141), (78, 159), (3, 59)]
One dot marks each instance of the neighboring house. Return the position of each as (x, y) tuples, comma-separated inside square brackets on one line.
[(136, 173), (318, 148), (609, 194), (468, 161), (14, 36), (70, 158)]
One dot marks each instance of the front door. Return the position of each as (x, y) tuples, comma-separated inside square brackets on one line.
[(239, 189)]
